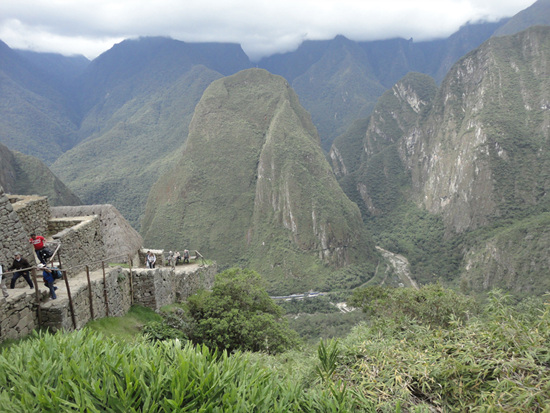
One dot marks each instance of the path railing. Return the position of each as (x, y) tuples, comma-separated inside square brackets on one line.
[(128, 259)]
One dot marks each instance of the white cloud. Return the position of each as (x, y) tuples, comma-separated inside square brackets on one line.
[(262, 27)]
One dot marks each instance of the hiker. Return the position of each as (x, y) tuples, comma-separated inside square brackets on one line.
[(3, 285), (178, 257), (171, 260), (39, 244), (47, 274), (186, 256), (18, 264), (150, 260)]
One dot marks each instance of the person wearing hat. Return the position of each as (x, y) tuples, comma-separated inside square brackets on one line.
[(49, 279), (20, 263)]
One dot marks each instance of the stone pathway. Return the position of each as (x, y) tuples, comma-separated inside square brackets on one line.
[(80, 281), (76, 283)]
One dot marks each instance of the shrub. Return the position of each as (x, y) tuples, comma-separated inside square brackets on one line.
[(239, 315), (431, 305)]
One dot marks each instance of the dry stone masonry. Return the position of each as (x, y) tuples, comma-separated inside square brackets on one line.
[(13, 236), (90, 237), (33, 212)]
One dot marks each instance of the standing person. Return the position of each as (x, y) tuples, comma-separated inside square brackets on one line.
[(150, 260), (172, 260), (18, 264), (49, 279), (186, 256), (3, 285), (178, 257), (39, 244)]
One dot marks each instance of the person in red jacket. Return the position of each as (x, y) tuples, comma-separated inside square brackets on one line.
[(39, 244)]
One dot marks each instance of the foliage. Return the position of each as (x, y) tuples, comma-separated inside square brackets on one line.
[(419, 236), (328, 354), (84, 371), (431, 305), (160, 331), (239, 315), (311, 305), (126, 327), (312, 327), (497, 361)]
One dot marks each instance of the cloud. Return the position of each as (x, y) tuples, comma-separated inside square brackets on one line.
[(262, 27)]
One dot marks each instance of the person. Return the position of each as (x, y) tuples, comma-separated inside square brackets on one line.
[(3, 285), (20, 263), (178, 257), (186, 256), (39, 244), (150, 260), (47, 275), (171, 259)]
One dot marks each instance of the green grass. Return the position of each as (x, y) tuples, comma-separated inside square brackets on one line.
[(126, 327)]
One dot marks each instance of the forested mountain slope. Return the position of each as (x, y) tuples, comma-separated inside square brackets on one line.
[(474, 153), (253, 188), (25, 175)]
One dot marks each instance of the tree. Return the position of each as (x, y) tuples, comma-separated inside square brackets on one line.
[(238, 314)]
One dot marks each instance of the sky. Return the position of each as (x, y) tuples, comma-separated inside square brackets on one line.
[(261, 27)]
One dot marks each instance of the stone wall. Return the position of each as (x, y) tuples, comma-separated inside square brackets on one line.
[(81, 244), (19, 317), (33, 211), (119, 237), (149, 288), (13, 236), (58, 317)]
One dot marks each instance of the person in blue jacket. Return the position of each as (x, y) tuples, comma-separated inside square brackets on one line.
[(49, 279)]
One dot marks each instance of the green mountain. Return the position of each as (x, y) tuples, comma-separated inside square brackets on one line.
[(142, 139), (35, 116), (26, 175), (253, 188), (470, 160)]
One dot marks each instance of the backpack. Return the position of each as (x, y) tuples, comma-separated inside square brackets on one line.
[(57, 274)]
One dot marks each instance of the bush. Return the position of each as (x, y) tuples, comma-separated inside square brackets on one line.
[(160, 331), (431, 305), (239, 315)]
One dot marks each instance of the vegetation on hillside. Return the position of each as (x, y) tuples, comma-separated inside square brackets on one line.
[(417, 351), (272, 204), (237, 314), (26, 175)]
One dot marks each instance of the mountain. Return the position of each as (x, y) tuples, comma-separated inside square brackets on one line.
[(340, 80), (35, 116), (62, 70), (536, 14), (142, 140), (135, 69), (253, 188), (137, 100), (474, 154), (25, 175)]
